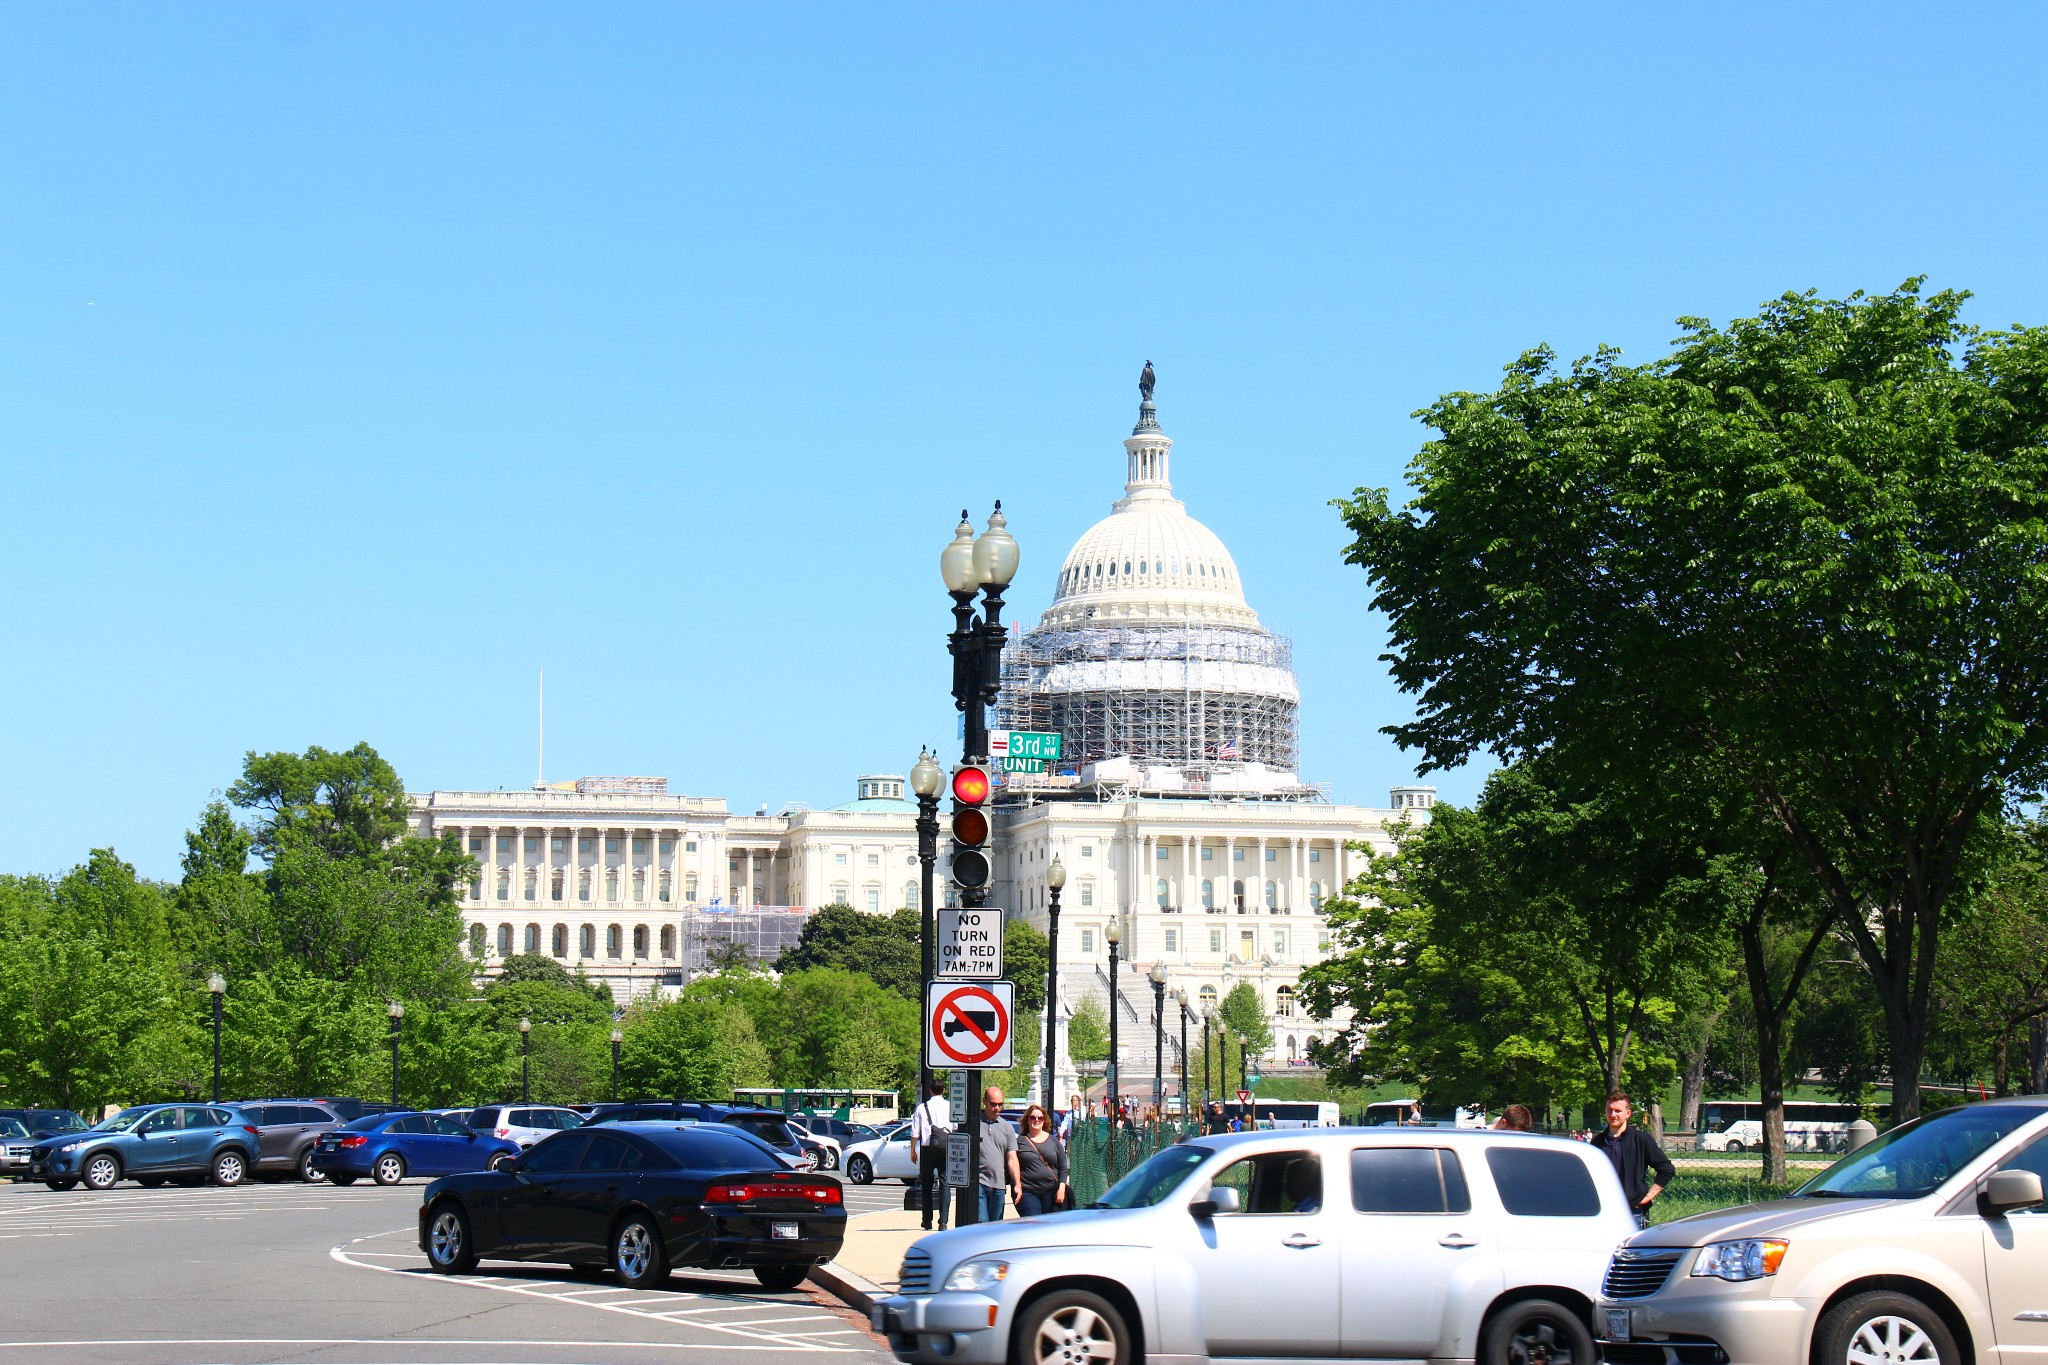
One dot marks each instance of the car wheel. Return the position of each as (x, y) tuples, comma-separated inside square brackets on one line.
[(307, 1171), (341, 1178), (781, 1277), (1072, 1324), (859, 1169), (389, 1170), (149, 1182), (1537, 1332), (62, 1184), (229, 1168), (638, 1258), (102, 1171), (1736, 1147), (449, 1248), (1895, 1328)]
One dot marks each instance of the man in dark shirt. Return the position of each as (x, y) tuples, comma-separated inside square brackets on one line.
[(1213, 1121), (1635, 1155)]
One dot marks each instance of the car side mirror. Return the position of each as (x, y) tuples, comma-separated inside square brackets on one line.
[(1224, 1200), (2009, 1190), (469, 1136)]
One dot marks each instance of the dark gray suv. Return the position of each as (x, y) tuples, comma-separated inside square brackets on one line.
[(285, 1132)]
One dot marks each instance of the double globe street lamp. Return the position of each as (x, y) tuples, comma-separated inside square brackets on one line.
[(1157, 976), (1114, 935)]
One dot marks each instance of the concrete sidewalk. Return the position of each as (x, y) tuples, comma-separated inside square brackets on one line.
[(873, 1254)]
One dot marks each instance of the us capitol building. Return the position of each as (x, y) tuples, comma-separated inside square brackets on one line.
[(1178, 810)]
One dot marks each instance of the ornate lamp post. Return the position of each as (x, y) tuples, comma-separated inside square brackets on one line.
[(397, 1012), (926, 780), (1055, 878), (1111, 1073), (525, 1062), (1244, 1072), (1180, 998), (1157, 976), (1208, 1019), (218, 984), (617, 1038)]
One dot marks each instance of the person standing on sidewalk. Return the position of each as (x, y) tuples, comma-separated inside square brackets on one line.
[(1041, 1165), (999, 1172), (1635, 1155), (928, 1129)]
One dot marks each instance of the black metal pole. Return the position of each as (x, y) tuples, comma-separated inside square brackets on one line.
[(526, 1067), (1159, 1048), (1183, 1061), (615, 1071), (1111, 1073), (927, 857), (1206, 1092), (216, 1047), (1244, 1076), (394, 1061), (1052, 994)]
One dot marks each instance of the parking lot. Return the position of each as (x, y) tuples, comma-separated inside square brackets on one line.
[(290, 1271)]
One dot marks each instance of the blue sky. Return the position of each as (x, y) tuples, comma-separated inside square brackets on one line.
[(357, 361)]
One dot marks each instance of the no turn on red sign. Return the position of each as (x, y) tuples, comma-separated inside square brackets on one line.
[(970, 1025)]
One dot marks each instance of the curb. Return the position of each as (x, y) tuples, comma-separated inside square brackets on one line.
[(847, 1287)]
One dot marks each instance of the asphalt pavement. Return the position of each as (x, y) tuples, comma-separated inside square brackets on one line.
[(317, 1273)]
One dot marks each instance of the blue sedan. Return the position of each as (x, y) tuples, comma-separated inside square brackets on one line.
[(389, 1147)]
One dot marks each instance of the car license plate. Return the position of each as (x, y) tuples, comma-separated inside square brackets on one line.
[(789, 1232), (1617, 1323)]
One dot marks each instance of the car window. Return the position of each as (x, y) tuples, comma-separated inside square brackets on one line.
[(521, 1118), (264, 1115), (1534, 1183), (609, 1153), (1274, 1182), (162, 1121), (484, 1118), (568, 1118), (1408, 1180), (416, 1125), (1916, 1158), (554, 1155), (216, 1118), (701, 1149), (448, 1127), (2033, 1157), (313, 1113)]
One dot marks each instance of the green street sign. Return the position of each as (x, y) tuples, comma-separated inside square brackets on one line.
[(1023, 765), (1039, 744)]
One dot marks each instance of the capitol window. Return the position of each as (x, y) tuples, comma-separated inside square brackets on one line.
[(1087, 850), (1272, 895), (1280, 943), (586, 941), (1315, 855), (690, 846), (1283, 1002), (639, 845), (639, 940), (1162, 893), (561, 940), (1087, 941), (1087, 893), (533, 938), (1208, 892), (611, 843), (1207, 853), (476, 940), (1215, 940), (874, 860), (1173, 940), (874, 902), (611, 941), (1208, 997)]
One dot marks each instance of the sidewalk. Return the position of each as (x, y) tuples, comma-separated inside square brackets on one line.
[(868, 1262)]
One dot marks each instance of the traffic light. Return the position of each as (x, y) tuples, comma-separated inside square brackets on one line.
[(971, 790)]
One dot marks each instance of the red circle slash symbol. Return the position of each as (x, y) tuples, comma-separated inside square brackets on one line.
[(975, 1013)]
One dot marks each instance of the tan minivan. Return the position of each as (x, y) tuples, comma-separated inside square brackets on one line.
[(1928, 1246)]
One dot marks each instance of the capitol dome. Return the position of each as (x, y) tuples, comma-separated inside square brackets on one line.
[(1149, 648)]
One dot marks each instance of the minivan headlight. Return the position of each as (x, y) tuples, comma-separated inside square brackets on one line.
[(1746, 1260), (983, 1274)]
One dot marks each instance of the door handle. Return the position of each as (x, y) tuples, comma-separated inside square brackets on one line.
[(1456, 1241), (1301, 1241)]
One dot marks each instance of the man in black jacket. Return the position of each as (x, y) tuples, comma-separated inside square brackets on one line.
[(1635, 1154)]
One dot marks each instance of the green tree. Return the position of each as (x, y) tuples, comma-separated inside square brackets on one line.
[(883, 948), (1245, 1017), (1024, 962), (1805, 547)]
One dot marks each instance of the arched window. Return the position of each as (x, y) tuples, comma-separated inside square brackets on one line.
[(1208, 893), (1237, 893), (1315, 895), (1207, 995), (611, 940), (1272, 895), (476, 940), (586, 941), (533, 938), (1293, 1049), (504, 940), (639, 940), (668, 940), (1162, 893), (1283, 1002)]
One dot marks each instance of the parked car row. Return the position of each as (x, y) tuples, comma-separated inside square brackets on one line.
[(1926, 1247)]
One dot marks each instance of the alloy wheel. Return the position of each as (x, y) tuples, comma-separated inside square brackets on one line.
[(390, 1170), (636, 1250), (1538, 1343), (102, 1172), (228, 1169), (445, 1238), (1892, 1341), (1072, 1334)]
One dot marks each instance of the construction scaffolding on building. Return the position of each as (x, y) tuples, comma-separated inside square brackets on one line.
[(715, 935), (1201, 698)]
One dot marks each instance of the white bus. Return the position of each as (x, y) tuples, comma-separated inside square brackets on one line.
[(1286, 1113), (1738, 1126), (1415, 1114)]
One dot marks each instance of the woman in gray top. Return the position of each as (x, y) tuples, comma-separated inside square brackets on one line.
[(1042, 1162)]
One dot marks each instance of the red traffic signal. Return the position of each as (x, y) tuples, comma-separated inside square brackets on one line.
[(971, 785)]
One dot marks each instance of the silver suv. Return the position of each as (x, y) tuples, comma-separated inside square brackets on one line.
[(1388, 1243), (1929, 1245)]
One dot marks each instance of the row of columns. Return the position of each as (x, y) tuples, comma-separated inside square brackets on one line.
[(582, 840), (1141, 884)]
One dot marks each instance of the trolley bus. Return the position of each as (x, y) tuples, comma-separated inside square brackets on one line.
[(874, 1107)]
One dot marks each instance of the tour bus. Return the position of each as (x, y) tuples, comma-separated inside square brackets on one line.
[(1400, 1113), (872, 1107), (1738, 1126), (1291, 1113)]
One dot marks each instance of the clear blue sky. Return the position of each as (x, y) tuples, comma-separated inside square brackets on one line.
[(358, 360)]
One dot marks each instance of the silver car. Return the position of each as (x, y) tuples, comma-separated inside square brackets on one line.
[(1928, 1246), (1388, 1243)]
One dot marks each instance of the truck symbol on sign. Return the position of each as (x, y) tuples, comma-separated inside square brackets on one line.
[(985, 1020)]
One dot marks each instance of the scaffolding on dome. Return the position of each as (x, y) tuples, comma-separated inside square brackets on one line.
[(1201, 698)]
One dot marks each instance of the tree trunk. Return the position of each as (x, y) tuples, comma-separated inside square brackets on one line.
[(2037, 1057), (2001, 1060), (1657, 1121), (1692, 1087)]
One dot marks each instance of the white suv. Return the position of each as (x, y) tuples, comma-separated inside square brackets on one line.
[(524, 1124), (1928, 1246), (1389, 1243)]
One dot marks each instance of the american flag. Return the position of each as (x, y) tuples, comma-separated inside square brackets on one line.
[(1227, 749)]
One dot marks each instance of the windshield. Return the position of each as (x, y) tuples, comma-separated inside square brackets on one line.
[(123, 1121), (12, 1128), (1156, 1178), (1916, 1158)]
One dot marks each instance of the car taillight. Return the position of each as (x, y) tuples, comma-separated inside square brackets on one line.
[(740, 1194), (252, 1132), (504, 1132), (352, 1140)]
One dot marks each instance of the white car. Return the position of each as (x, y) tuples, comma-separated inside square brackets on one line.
[(524, 1124), (1385, 1244), (882, 1158)]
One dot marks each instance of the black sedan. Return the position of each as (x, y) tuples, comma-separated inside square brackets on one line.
[(643, 1198)]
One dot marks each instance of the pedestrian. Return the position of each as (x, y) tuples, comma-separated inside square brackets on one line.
[(1635, 1155), (1516, 1118), (999, 1174), (1214, 1122), (1069, 1119), (1041, 1166), (928, 1129)]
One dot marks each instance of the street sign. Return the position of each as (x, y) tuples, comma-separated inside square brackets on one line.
[(959, 1161), (956, 1096), (1023, 744), (970, 944), (1013, 764), (969, 1025), (1244, 1097)]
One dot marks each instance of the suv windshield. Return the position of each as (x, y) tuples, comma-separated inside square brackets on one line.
[(1155, 1178), (123, 1121), (11, 1128), (1916, 1158)]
